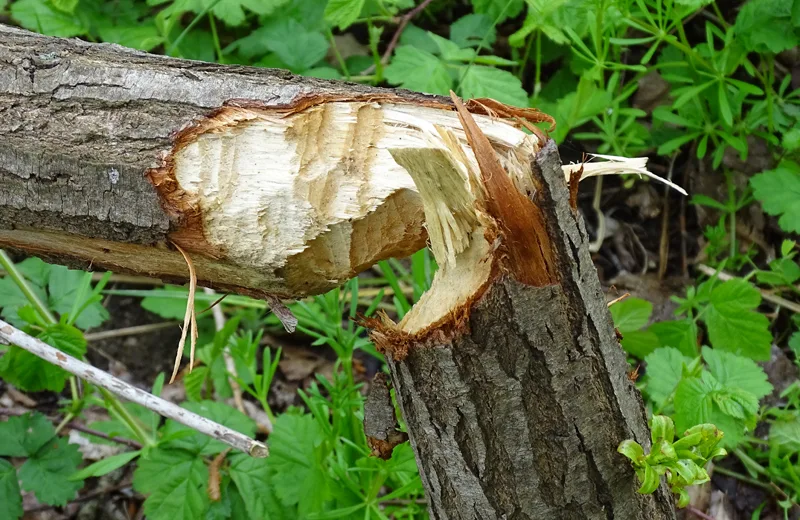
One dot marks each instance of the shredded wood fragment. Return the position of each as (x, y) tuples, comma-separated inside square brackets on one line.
[(617, 300), (189, 320), (615, 165)]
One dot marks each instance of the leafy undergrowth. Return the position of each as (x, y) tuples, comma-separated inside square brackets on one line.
[(704, 90)]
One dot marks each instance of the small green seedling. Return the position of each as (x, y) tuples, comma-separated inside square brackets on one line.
[(682, 461)]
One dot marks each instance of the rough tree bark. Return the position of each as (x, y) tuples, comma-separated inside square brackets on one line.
[(510, 377)]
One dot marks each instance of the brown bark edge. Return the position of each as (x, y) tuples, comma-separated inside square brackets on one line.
[(519, 415)]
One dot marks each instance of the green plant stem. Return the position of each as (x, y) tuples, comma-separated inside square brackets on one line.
[(338, 55), (19, 280), (15, 275), (739, 476), (64, 422), (758, 468), (126, 417), (215, 37)]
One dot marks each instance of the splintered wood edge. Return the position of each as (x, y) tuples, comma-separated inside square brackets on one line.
[(298, 198), (504, 235)]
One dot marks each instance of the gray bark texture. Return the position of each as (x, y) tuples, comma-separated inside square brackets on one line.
[(520, 417)]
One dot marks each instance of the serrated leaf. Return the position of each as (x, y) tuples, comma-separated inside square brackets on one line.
[(679, 334), (142, 37), (498, 10), (766, 26), (35, 270), (419, 38), (480, 81), (64, 287), (67, 6), (294, 456), (47, 472), (12, 299), (416, 69), (10, 497), (193, 382), (104, 466), (342, 13), (631, 314), (693, 400), (200, 443), (737, 372), (40, 16), (25, 435), (732, 323), (664, 372), (253, 481), (296, 46), (166, 306), (472, 29), (31, 373), (779, 193), (176, 482), (786, 435)]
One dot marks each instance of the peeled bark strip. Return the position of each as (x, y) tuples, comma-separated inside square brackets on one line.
[(511, 380)]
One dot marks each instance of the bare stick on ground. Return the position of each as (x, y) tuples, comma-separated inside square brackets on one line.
[(122, 389)]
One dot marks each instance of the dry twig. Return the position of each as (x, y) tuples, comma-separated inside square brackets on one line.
[(122, 389)]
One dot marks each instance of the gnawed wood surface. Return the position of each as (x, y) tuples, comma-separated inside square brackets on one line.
[(271, 182), (516, 401)]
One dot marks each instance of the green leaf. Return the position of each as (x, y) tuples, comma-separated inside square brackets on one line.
[(35, 270), (343, 13), (252, 479), (25, 435), (631, 314), (679, 334), (779, 193), (786, 435), (471, 30), (296, 46), (142, 37), (68, 6), (733, 371), (175, 481), (12, 299), (694, 4), (693, 401), (104, 466), (295, 458), (168, 307), (31, 373), (640, 343), (480, 81), (47, 472), (766, 26), (42, 17), (418, 70), (64, 287), (664, 372), (732, 323), (419, 38), (498, 10), (200, 443), (10, 497)]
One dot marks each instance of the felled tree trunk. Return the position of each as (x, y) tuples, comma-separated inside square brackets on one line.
[(511, 381)]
